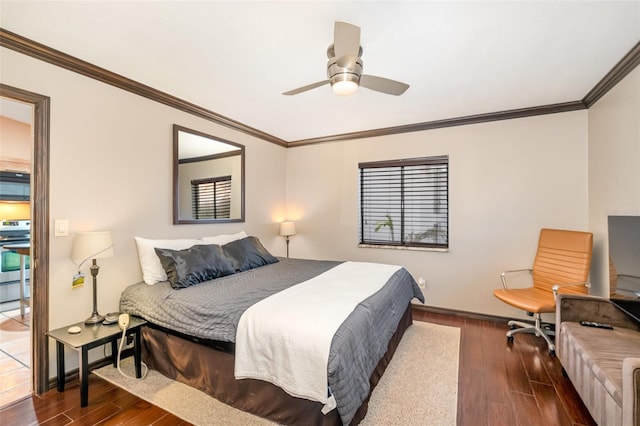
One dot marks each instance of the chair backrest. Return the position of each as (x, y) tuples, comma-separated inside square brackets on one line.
[(563, 257)]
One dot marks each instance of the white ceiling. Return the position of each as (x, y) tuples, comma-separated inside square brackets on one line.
[(236, 58), (193, 146), (16, 110)]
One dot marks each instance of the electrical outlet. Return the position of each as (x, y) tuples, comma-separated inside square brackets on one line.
[(422, 283)]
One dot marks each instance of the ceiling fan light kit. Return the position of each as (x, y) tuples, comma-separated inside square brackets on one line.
[(344, 80), (345, 66), (345, 87)]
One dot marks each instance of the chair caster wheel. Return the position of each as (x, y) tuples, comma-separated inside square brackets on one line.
[(512, 327), (510, 339), (552, 352)]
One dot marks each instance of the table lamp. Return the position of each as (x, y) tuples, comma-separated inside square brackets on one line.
[(92, 245), (286, 230)]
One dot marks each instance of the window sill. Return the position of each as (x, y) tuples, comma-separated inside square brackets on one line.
[(377, 246)]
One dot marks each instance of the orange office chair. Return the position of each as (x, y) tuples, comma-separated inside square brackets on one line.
[(561, 265)]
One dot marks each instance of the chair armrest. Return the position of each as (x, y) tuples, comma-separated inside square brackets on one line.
[(503, 275), (630, 391), (575, 308), (557, 287)]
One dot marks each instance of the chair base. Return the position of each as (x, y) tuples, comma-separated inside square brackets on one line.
[(535, 328)]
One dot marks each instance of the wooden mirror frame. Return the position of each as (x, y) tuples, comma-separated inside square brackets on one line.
[(176, 177)]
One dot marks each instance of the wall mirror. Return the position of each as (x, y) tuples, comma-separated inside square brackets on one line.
[(208, 178)]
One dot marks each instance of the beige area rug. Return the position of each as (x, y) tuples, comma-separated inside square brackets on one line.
[(419, 387)]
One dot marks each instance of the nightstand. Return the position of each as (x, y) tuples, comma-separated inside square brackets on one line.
[(90, 337)]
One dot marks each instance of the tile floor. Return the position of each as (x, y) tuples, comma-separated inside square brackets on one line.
[(15, 358)]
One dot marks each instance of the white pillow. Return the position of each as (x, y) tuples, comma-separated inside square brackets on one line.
[(152, 271), (224, 239)]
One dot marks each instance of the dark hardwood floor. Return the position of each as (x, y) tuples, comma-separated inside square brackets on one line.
[(499, 384), (509, 384)]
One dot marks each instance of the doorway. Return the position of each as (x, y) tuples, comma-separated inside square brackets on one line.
[(16, 145), (39, 223)]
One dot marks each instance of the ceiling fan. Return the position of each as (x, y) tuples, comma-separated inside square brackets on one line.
[(344, 68)]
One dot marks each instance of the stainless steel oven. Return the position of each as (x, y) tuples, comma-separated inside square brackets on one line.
[(12, 232)]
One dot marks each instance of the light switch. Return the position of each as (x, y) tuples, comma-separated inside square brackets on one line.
[(61, 228)]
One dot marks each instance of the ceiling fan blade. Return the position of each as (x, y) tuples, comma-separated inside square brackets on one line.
[(305, 88), (384, 85), (348, 62), (346, 39)]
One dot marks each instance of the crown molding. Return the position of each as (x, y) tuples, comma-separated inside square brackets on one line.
[(40, 51), (613, 77), (449, 122)]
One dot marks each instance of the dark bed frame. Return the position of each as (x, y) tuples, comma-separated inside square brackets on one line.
[(208, 366)]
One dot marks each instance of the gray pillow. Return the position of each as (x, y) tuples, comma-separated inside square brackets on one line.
[(248, 253), (194, 265)]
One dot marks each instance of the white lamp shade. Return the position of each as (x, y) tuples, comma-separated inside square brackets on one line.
[(92, 245), (287, 229)]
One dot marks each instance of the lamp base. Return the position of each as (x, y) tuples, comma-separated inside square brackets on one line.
[(287, 246), (95, 318)]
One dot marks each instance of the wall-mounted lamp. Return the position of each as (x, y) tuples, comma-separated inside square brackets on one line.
[(287, 229), (92, 245)]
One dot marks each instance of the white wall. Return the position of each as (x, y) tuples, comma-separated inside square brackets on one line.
[(507, 180), (111, 169), (614, 167)]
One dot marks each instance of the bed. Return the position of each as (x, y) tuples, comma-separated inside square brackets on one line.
[(197, 334)]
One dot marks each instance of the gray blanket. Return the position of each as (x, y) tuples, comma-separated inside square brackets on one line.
[(211, 310)]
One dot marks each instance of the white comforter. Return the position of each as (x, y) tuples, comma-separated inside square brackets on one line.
[(285, 339)]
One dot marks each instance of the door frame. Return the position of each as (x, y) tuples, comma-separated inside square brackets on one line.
[(39, 282)]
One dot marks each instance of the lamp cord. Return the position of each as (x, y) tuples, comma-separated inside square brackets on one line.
[(146, 369), (91, 256)]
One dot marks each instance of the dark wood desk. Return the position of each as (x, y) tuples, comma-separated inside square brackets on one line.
[(90, 337)]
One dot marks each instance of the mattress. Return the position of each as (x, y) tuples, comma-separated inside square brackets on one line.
[(212, 310)]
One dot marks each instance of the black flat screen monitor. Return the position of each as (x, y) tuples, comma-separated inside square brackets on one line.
[(624, 255), (630, 307)]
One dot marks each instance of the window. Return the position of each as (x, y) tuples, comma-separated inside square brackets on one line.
[(405, 202), (211, 198)]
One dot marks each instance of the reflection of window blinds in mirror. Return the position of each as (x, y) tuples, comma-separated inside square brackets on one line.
[(198, 157), (624, 255), (211, 198)]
